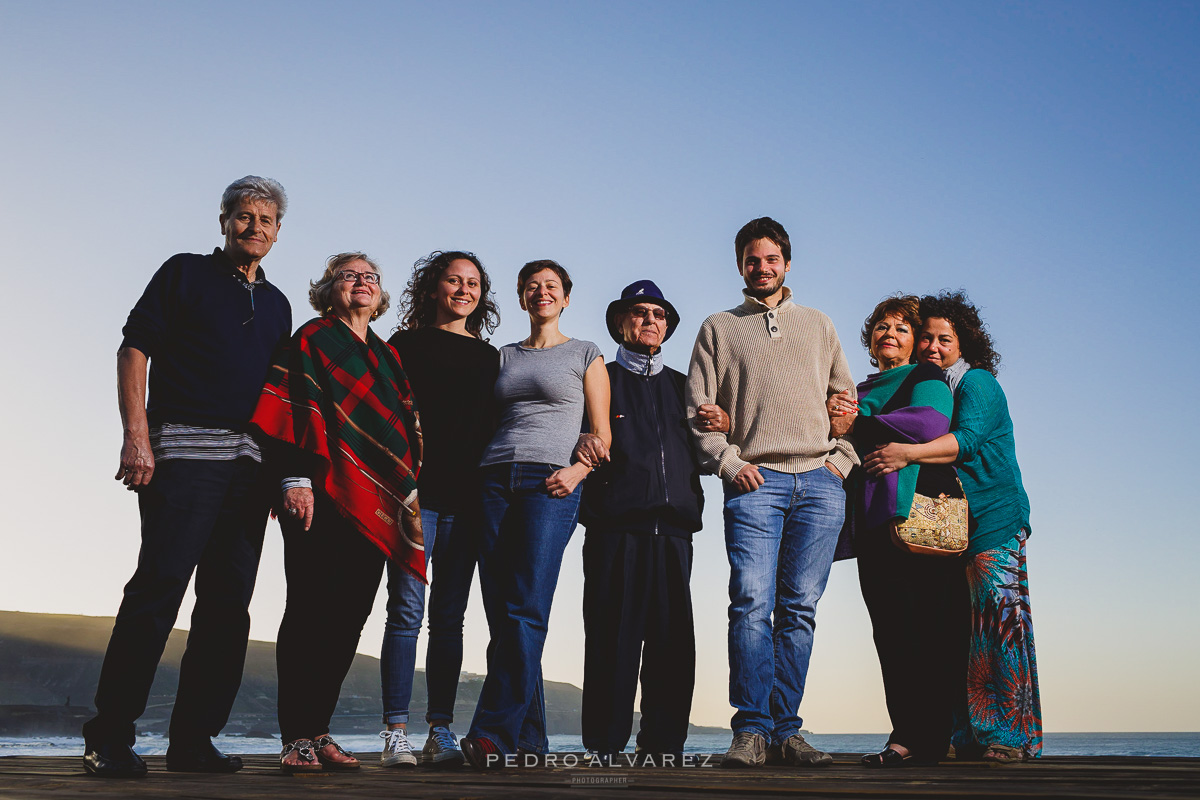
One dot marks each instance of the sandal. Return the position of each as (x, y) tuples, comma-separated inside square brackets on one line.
[(298, 756), (887, 758), (998, 755), (332, 756)]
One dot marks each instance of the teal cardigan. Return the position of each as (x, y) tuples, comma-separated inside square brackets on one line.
[(987, 461)]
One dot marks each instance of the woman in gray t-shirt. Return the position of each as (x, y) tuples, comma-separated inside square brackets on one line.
[(530, 506)]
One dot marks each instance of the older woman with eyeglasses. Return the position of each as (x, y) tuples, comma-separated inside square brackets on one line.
[(338, 416)]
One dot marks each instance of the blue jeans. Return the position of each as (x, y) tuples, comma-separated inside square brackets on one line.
[(405, 609), (524, 534), (780, 540), (449, 590)]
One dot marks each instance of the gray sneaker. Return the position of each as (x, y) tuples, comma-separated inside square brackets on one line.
[(749, 749), (397, 752), (798, 753), (441, 748)]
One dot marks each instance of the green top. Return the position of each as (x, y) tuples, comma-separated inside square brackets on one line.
[(987, 461), (920, 406)]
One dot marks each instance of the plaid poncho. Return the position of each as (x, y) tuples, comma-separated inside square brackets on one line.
[(348, 404)]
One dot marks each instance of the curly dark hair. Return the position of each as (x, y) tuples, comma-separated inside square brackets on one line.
[(417, 308), (904, 306), (973, 338)]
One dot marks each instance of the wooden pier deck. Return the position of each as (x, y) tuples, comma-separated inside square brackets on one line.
[(43, 777)]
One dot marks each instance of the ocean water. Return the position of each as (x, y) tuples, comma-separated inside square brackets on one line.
[(1056, 744)]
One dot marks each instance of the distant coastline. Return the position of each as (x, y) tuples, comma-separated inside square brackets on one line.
[(49, 665)]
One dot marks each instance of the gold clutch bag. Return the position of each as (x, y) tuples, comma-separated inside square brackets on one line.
[(936, 526)]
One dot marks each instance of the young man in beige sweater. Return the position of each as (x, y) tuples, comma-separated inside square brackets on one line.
[(772, 365)]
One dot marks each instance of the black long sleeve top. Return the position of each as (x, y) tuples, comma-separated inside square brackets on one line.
[(452, 377)]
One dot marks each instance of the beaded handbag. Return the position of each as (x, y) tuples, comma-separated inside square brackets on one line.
[(936, 526)]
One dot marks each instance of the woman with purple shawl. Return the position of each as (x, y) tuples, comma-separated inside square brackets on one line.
[(917, 603)]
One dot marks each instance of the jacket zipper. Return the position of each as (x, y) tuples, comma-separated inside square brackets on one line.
[(662, 452)]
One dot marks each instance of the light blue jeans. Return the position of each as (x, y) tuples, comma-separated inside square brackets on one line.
[(405, 610), (780, 540)]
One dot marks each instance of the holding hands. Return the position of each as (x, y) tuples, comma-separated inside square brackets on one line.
[(590, 450)]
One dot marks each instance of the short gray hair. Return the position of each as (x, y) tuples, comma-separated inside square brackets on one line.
[(253, 187), (320, 292)]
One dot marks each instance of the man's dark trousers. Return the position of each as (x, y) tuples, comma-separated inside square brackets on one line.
[(203, 516), (637, 607)]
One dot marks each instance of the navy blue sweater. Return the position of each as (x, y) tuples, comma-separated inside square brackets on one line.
[(652, 483), (209, 335)]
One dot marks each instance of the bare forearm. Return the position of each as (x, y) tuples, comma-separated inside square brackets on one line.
[(604, 433), (131, 390), (942, 450), (596, 400), (137, 461)]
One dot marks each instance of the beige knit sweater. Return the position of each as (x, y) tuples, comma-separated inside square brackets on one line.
[(771, 369)]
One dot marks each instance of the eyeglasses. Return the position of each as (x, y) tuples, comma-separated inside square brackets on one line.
[(649, 313), (350, 276)]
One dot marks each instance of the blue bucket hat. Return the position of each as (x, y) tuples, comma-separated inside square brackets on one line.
[(631, 295)]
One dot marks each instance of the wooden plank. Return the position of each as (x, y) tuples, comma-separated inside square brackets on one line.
[(1056, 778)]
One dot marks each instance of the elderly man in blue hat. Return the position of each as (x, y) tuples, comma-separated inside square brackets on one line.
[(640, 508)]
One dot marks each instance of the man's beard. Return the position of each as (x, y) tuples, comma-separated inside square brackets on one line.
[(765, 291)]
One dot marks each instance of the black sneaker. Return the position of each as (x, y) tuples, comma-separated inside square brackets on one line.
[(441, 748), (200, 756), (113, 761), (796, 752)]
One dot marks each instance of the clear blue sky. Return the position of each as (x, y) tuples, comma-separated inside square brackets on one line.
[(1043, 156)]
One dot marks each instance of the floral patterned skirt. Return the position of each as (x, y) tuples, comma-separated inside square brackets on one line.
[(1002, 703)]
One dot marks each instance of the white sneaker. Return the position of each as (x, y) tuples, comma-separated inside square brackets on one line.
[(397, 752), (441, 748)]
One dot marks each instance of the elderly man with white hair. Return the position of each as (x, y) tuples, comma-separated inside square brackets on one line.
[(206, 326)]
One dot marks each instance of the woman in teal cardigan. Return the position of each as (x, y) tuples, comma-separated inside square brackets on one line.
[(1002, 719)]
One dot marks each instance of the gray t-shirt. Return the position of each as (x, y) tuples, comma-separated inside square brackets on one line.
[(540, 398)]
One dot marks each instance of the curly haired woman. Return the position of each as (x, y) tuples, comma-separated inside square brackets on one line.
[(444, 311)]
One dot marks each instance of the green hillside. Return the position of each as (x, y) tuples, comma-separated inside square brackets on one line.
[(54, 660)]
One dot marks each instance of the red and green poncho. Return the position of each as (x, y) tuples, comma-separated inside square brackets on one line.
[(348, 404)]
